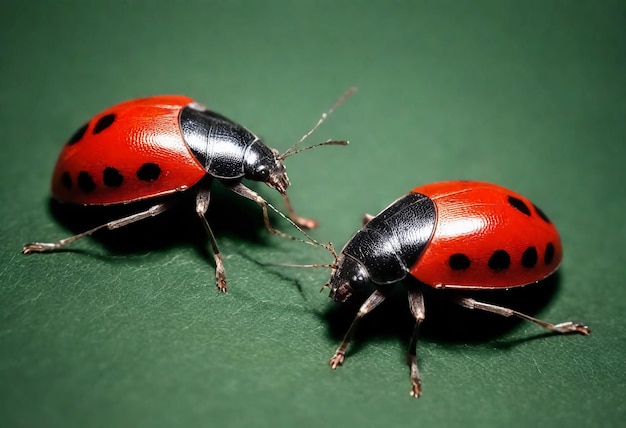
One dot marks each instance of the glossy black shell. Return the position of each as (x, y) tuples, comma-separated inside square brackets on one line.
[(225, 149), (390, 243)]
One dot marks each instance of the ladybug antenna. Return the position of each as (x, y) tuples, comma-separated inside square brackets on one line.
[(309, 240), (292, 150), (313, 265)]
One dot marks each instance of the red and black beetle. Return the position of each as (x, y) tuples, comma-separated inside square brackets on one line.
[(162, 146), (462, 235)]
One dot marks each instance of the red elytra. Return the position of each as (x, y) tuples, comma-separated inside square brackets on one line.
[(122, 139), (486, 236)]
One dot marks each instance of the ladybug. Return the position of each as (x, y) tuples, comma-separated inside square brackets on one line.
[(463, 235), (162, 146)]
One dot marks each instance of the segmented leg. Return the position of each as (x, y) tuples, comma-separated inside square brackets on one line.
[(375, 299), (44, 247), (307, 223), (564, 327), (242, 190), (202, 206), (416, 304)]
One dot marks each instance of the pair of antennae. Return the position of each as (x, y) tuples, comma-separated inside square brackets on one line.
[(293, 150)]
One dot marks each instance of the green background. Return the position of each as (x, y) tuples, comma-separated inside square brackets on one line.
[(128, 330)]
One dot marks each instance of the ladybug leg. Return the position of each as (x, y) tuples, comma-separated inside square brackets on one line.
[(44, 247), (416, 304), (307, 223), (375, 299), (202, 206), (564, 327), (367, 218), (242, 190)]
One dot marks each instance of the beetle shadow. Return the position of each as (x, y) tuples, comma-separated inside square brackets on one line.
[(446, 323), (229, 215), (282, 276)]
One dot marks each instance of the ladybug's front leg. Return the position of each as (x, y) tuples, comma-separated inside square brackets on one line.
[(202, 206), (416, 304), (307, 223), (242, 190), (375, 299)]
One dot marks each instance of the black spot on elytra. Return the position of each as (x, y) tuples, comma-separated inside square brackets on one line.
[(459, 262), (85, 181), (519, 205), (78, 135), (148, 172), (104, 123), (499, 260), (541, 214), (112, 177), (529, 257), (549, 254), (66, 180)]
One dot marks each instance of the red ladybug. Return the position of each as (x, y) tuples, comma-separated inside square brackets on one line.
[(161, 146), (463, 235)]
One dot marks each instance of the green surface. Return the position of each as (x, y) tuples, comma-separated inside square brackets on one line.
[(527, 94)]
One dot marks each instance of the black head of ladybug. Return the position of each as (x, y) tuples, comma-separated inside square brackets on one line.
[(264, 164), (348, 276)]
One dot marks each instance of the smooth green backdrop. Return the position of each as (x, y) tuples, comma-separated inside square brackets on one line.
[(128, 330)]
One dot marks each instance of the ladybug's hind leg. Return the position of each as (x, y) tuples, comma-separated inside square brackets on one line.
[(564, 327), (45, 247), (202, 205), (416, 304)]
